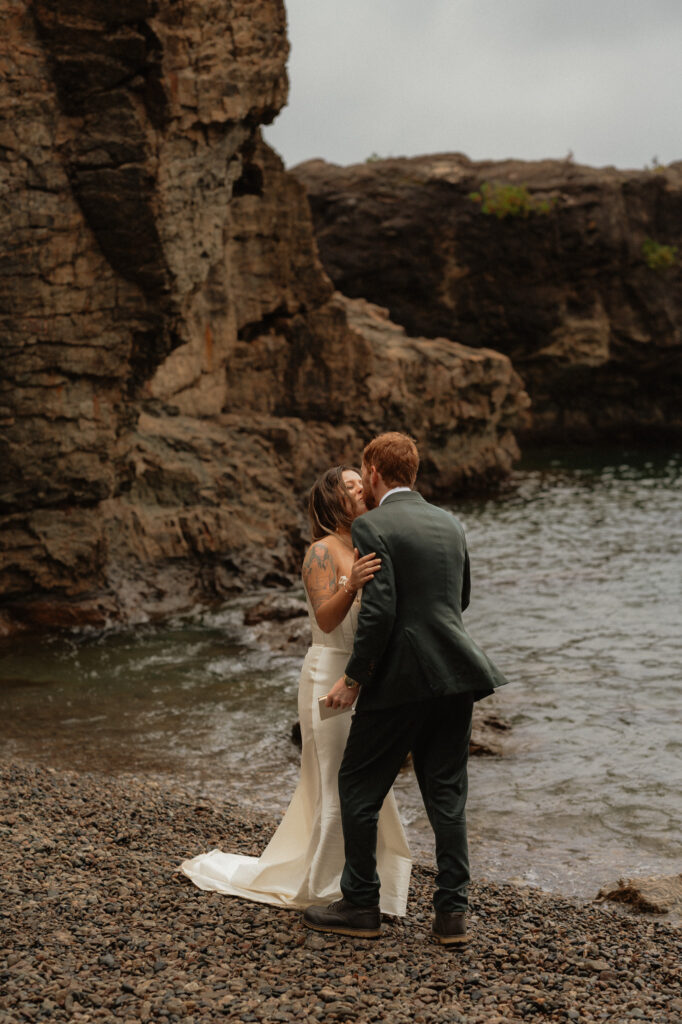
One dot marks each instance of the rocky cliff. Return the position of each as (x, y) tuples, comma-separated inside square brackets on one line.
[(176, 366), (574, 272)]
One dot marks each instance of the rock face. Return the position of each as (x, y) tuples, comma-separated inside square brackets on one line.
[(176, 367), (572, 272)]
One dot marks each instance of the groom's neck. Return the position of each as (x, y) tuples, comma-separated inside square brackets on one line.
[(381, 489)]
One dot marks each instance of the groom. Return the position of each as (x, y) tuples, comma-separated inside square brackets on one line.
[(418, 674)]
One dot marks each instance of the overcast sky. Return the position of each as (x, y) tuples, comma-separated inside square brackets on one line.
[(489, 78)]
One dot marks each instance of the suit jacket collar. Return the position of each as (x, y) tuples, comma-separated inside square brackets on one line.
[(402, 496)]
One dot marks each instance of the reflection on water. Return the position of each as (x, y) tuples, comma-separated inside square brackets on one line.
[(576, 594)]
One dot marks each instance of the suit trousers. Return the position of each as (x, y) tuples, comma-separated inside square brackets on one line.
[(437, 733)]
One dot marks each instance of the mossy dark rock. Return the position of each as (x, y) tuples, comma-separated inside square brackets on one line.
[(566, 283)]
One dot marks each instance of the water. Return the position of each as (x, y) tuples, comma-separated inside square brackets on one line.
[(577, 580)]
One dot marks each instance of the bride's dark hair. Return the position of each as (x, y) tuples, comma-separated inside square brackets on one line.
[(330, 504)]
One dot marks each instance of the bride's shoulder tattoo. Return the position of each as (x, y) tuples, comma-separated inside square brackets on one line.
[(319, 574), (317, 557)]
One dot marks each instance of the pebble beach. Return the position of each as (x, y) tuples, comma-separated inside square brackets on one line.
[(97, 924)]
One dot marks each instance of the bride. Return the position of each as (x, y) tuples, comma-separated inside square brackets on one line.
[(302, 864)]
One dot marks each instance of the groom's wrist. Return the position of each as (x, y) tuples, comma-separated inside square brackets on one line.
[(352, 684)]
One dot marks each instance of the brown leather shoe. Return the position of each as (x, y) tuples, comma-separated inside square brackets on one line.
[(450, 929), (344, 918)]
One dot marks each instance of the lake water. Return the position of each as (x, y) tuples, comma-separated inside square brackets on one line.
[(577, 588)]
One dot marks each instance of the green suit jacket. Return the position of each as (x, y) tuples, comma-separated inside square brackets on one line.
[(410, 643)]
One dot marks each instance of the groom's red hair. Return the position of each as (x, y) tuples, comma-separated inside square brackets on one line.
[(395, 456)]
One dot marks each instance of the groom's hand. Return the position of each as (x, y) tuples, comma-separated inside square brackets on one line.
[(340, 695)]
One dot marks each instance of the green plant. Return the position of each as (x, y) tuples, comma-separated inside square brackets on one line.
[(656, 166), (372, 158), (658, 256), (502, 201)]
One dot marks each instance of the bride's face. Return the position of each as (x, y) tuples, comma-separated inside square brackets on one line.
[(353, 483)]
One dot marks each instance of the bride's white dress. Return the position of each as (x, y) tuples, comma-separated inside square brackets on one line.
[(302, 864)]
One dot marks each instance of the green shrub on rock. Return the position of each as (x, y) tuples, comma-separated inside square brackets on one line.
[(658, 256), (509, 200)]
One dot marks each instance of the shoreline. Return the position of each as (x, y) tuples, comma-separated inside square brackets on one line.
[(99, 924)]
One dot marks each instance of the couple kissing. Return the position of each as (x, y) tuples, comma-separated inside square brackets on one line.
[(387, 579)]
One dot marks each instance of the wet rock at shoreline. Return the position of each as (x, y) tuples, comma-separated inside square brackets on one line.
[(655, 895), (488, 731), (278, 608), (280, 623)]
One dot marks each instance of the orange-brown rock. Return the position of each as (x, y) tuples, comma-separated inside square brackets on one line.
[(574, 272), (176, 367)]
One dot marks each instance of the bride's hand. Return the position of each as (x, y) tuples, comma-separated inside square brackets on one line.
[(363, 569), (340, 695)]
